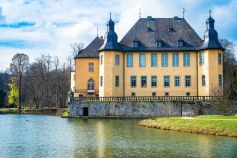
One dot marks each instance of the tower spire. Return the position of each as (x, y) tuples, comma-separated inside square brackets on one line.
[(210, 12), (97, 31), (110, 15)]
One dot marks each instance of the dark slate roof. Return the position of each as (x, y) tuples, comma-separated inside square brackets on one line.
[(211, 40), (111, 38), (91, 51), (147, 31)]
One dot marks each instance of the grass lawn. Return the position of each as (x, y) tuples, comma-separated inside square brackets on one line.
[(206, 124), (8, 110)]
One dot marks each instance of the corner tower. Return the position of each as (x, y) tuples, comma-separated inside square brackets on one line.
[(111, 64), (210, 62)]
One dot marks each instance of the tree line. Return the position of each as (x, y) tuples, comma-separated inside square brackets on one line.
[(42, 83)]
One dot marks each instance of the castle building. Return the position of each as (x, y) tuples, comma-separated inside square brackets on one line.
[(157, 57)]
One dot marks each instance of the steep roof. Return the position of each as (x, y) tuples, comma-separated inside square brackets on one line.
[(91, 51), (147, 31)]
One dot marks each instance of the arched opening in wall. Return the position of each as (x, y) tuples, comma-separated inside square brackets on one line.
[(90, 87), (85, 111)]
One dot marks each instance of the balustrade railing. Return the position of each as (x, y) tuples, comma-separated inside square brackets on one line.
[(146, 98)]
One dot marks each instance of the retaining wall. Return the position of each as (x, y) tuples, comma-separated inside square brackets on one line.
[(143, 108)]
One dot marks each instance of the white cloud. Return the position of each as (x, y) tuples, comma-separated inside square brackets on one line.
[(60, 23)]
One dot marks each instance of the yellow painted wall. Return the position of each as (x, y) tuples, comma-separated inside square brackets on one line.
[(109, 70), (160, 72), (211, 69), (83, 74)]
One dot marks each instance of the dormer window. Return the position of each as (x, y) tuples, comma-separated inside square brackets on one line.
[(170, 29), (135, 44), (180, 43), (159, 44), (149, 30)]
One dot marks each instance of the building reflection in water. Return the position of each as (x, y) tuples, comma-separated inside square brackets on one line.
[(100, 139)]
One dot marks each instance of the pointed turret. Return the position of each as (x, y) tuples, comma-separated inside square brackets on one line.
[(111, 38), (211, 36)]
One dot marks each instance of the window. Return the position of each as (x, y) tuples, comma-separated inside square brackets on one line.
[(153, 94), (101, 60), (135, 44), (180, 43), (142, 60), (133, 81), (175, 59), (166, 94), (129, 60), (186, 59), (201, 58), (143, 81), (187, 94), (219, 59), (90, 84), (117, 57), (166, 81), (220, 80), (133, 94), (101, 81), (176, 81), (203, 80), (159, 44), (187, 81), (153, 81), (91, 67), (116, 81), (164, 59), (153, 59)]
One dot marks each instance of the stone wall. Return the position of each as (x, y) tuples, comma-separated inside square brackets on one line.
[(144, 108)]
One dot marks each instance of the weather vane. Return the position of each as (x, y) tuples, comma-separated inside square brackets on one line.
[(140, 13), (183, 12)]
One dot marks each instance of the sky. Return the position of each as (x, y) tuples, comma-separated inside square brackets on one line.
[(48, 27)]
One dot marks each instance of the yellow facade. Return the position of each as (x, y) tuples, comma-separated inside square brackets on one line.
[(83, 75), (109, 70)]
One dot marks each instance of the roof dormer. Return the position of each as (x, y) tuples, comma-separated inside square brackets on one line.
[(159, 43), (136, 44), (180, 43)]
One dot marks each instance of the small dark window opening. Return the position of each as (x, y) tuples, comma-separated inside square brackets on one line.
[(133, 94), (180, 43), (188, 94), (85, 111), (170, 29), (159, 44), (135, 44), (153, 94), (166, 94), (149, 30)]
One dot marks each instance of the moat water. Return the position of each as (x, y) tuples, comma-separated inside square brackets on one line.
[(36, 136)]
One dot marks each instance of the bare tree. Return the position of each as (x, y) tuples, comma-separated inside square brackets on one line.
[(76, 49), (17, 68), (229, 62), (221, 100)]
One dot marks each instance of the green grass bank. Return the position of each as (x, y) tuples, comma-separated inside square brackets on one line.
[(207, 124)]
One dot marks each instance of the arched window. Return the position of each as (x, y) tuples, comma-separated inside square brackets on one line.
[(91, 84)]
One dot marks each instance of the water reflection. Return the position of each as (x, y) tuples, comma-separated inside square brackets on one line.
[(45, 136), (100, 139)]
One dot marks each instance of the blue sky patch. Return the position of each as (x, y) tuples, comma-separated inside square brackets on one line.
[(17, 25)]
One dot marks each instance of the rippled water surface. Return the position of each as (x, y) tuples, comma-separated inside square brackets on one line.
[(51, 136)]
